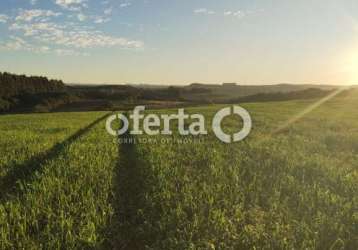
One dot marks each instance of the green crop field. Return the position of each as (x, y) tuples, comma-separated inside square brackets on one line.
[(67, 184)]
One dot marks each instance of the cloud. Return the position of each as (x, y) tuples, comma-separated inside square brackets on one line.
[(100, 19), (72, 36), (3, 18), (72, 5), (204, 11), (81, 17), (19, 44), (125, 5), (39, 31), (242, 13), (238, 14), (228, 13), (105, 18), (108, 11), (90, 39), (14, 43), (69, 52), (29, 15), (33, 2)]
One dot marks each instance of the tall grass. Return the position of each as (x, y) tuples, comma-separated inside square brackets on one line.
[(66, 203), (296, 189)]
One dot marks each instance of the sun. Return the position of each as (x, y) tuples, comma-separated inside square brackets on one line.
[(351, 67)]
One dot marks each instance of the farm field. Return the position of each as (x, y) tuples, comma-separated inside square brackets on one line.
[(67, 184)]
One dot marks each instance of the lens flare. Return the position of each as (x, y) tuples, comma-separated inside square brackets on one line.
[(309, 109)]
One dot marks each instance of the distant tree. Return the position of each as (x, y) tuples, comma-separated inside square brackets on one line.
[(280, 96), (13, 85), (173, 92)]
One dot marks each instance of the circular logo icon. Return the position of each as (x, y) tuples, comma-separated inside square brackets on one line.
[(239, 136), (124, 122)]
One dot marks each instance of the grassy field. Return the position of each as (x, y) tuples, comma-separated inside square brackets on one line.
[(67, 184)]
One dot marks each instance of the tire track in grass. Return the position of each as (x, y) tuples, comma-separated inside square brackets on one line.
[(131, 184), (22, 174)]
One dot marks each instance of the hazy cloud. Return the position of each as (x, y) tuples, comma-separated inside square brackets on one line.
[(3, 18), (19, 44), (204, 11), (124, 5), (239, 13), (78, 37), (108, 11), (29, 15), (81, 17), (38, 30), (73, 5), (100, 19), (69, 52)]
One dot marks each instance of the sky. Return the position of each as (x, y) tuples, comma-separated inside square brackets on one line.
[(181, 41)]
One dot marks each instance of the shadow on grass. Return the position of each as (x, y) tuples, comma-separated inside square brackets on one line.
[(131, 185), (24, 173)]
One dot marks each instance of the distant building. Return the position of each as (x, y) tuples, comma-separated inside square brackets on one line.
[(230, 84)]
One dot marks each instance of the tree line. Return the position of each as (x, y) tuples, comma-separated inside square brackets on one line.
[(25, 92), (14, 85)]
